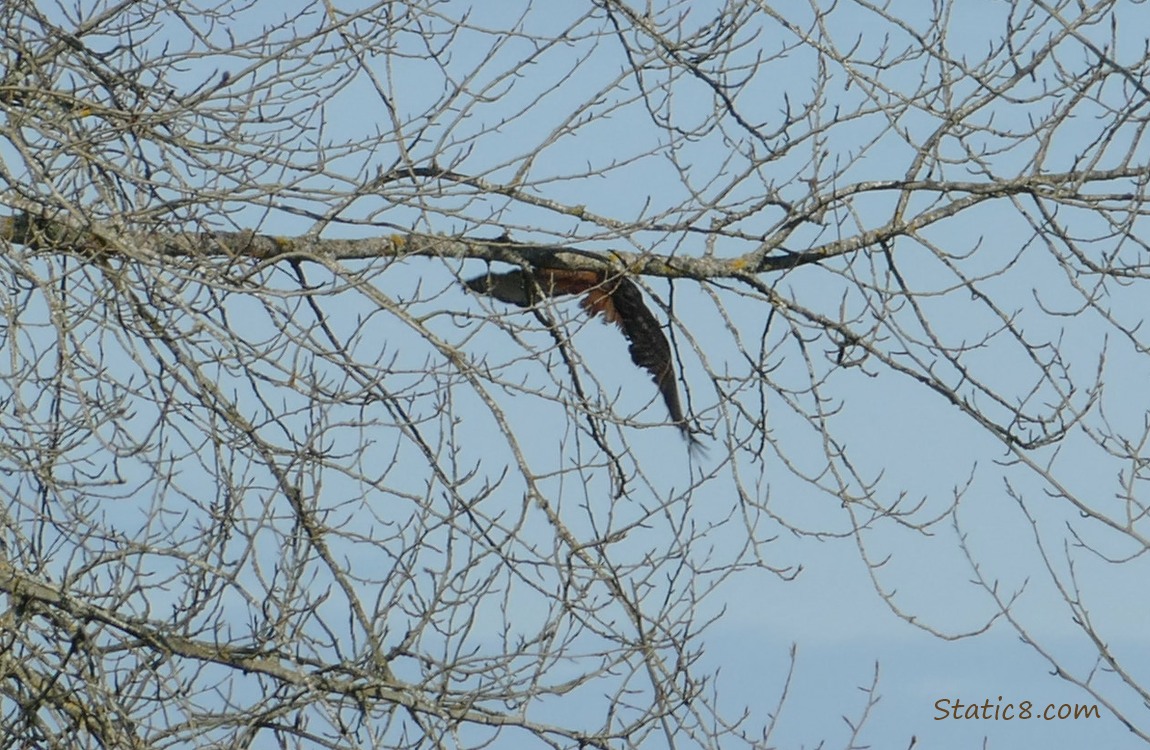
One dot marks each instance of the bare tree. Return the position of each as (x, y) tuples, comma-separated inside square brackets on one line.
[(270, 470)]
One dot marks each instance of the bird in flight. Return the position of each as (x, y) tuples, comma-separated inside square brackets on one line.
[(617, 299)]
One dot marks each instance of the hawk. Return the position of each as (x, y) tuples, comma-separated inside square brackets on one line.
[(616, 298)]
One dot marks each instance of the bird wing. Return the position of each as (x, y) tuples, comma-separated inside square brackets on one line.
[(647, 344), (617, 299)]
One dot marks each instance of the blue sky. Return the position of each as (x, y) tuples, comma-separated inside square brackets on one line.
[(572, 129), (892, 427)]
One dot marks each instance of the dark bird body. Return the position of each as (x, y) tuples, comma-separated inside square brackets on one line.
[(617, 299)]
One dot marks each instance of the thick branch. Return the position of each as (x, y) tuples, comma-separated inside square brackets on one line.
[(26, 589), (55, 235)]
